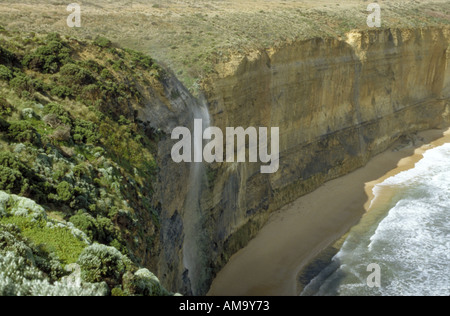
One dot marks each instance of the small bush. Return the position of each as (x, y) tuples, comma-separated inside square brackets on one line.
[(86, 223), (40, 85), (20, 179), (6, 57), (140, 59), (62, 92), (11, 180), (117, 292), (48, 58), (102, 263), (6, 108), (147, 284), (102, 42), (106, 75), (23, 132), (65, 191), (9, 160), (21, 84), (4, 125), (91, 65), (85, 132), (53, 37), (74, 74), (59, 111), (5, 73), (80, 170), (100, 229)]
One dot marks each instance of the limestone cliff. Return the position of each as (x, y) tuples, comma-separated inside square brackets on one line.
[(337, 101)]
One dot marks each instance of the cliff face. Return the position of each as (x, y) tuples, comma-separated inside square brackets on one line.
[(337, 102)]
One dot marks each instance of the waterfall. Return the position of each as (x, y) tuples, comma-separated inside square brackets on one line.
[(194, 258)]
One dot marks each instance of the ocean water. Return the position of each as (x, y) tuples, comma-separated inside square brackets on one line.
[(408, 237)]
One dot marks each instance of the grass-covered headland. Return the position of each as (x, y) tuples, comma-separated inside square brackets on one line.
[(76, 168)]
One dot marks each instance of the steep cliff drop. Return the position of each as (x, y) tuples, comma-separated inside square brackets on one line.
[(194, 258), (338, 103)]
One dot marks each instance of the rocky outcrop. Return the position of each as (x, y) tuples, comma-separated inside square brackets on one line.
[(337, 102)]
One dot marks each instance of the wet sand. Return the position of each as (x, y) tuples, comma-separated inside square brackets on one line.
[(296, 234)]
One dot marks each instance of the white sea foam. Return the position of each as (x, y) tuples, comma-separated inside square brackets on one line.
[(411, 243)]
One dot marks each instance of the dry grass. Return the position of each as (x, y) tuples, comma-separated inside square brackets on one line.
[(190, 35)]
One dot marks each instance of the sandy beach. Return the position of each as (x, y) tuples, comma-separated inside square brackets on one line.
[(297, 233)]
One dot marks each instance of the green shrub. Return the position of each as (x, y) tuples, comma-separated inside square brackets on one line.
[(59, 111), (147, 284), (53, 37), (85, 132), (6, 57), (48, 58), (123, 121), (23, 132), (117, 292), (86, 223), (27, 267), (74, 74), (91, 65), (106, 75), (65, 191), (102, 263), (100, 229), (105, 230), (11, 240), (62, 92), (25, 180), (21, 84), (5, 107), (9, 160), (5, 73), (12, 173), (4, 125), (11, 180), (140, 59), (80, 170), (102, 42), (40, 85)]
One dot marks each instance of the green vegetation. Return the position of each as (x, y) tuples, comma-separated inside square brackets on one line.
[(23, 131), (65, 191), (99, 262), (100, 229), (16, 177), (102, 42), (57, 240), (5, 73), (69, 141), (6, 108), (50, 57)]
